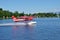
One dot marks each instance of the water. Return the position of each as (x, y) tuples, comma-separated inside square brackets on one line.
[(45, 29)]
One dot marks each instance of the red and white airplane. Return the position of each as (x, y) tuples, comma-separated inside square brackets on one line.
[(22, 18), (18, 20)]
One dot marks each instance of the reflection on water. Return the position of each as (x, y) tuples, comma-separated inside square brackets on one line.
[(16, 32), (22, 32)]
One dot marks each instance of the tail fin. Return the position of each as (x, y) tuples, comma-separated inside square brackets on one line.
[(14, 18)]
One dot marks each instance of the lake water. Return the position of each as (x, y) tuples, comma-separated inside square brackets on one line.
[(45, 29)]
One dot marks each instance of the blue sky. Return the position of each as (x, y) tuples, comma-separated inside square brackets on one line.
[(31, 6)]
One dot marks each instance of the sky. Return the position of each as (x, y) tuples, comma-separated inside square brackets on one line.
[(31, 6)]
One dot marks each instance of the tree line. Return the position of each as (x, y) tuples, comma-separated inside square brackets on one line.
[(7, 13)]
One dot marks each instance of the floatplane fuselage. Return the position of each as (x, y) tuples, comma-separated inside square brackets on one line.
[(22, 18)]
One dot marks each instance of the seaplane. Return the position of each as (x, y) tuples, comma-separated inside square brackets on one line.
[(23, 20)]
